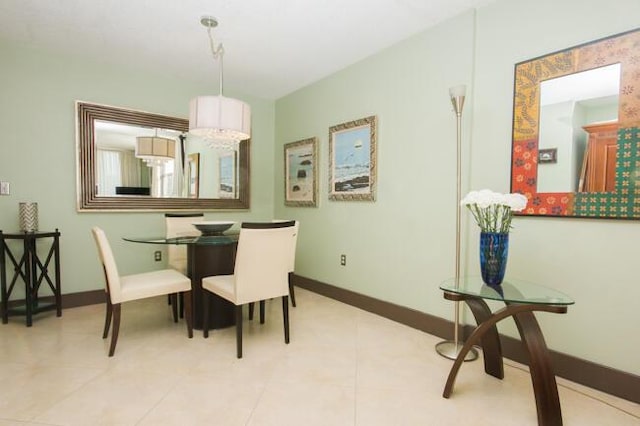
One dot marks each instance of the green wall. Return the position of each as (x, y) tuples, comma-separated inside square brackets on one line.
[(37, 155), (400, 247)]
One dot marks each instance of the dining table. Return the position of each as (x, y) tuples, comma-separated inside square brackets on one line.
[(206, 255)]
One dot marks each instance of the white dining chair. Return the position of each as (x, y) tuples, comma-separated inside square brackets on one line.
[(179, 225), (261, 272), (292, 264), (126, 288)]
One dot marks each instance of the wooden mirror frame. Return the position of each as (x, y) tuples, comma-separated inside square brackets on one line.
[(88, 200), (624, 201)]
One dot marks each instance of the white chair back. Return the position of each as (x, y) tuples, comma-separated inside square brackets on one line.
[(112, 278), (180, 225), (294, 243), (263, 261), (292, 254)]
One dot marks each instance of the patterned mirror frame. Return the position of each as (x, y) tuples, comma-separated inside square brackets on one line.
[(624, 201)]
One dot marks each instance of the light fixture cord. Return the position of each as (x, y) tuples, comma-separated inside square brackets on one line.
[(218, 53)]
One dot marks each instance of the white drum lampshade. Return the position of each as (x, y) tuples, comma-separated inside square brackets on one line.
[(219, 118), (154, 149)]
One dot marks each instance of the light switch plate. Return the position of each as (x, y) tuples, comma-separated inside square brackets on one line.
[(4, 188)]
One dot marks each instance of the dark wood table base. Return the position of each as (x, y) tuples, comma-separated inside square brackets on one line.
[(542, 375), (204, 261)]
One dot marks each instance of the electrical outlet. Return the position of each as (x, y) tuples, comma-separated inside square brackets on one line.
[(157, 255), (4, 188), (343, 260)]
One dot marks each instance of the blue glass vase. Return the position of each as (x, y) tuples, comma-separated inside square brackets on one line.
[(494, 247)]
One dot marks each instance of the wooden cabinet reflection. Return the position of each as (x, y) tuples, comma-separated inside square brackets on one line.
[(599, 164)]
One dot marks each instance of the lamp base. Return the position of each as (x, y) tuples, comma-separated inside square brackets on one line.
[(450, 349)]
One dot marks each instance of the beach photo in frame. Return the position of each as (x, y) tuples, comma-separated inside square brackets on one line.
[(352, 160), (301, 173), (227, 175)]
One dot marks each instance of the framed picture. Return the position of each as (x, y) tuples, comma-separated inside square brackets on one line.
[(352, 160), (227, 175), (193, 167), (301, 173), (548, 155)]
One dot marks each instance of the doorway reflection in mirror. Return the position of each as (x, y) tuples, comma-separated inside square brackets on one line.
[(567, 105)]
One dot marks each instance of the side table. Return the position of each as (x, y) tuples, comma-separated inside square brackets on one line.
[(33, 271), (521, 299)]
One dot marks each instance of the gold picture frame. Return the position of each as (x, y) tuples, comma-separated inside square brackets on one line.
[(352, 160), (193, 175), (301, 173)]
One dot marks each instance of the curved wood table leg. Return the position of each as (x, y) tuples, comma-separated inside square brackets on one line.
[(491, 348), (542, 374), (487, 325)]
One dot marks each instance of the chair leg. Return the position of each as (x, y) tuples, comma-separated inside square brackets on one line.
[(174, 306), (285, 316), (186, 300), (292, 292), (107, 319), (205, 312), (239, 330), (251, 306), (181, 305), (116, 328), (262, 312)]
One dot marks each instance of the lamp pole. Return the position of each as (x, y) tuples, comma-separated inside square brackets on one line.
[(451, 349)]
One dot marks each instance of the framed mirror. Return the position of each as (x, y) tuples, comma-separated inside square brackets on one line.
[(132, 160), (576, 130)]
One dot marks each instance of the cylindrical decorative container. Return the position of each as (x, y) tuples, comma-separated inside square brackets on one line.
[(494, 248), (29, 217)]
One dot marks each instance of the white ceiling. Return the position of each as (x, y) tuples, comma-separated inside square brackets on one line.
[(273, 47)]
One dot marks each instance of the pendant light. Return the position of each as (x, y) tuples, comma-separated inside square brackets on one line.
[(154, 150), (222, 121)]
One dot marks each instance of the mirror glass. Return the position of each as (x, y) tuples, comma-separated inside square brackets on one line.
[(566, 105), (576, 136), (135, 160)]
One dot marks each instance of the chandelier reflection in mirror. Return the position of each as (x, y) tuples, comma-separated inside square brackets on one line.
[(223, 122), (155, 150)]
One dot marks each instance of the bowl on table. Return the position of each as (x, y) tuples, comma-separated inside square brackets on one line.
[(213, 227)]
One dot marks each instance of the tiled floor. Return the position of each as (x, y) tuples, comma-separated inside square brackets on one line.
[(344, 366)]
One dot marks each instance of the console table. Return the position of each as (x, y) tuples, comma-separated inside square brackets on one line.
[(32, 270), (206, 255), (522, 299)]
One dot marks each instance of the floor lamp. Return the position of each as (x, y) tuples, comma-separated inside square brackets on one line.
[(451, 349)]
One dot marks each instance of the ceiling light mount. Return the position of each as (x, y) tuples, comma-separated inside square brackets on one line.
[(209, 21)]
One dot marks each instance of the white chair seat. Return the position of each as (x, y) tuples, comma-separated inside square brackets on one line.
[(222, 285), (154, 283)]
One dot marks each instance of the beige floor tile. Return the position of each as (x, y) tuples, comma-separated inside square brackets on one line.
[(119, 396), (304, 403)]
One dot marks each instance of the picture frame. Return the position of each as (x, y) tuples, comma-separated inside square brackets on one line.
[(548, 156), (301, 173), (352, 160), (193, 173), (227, 175)]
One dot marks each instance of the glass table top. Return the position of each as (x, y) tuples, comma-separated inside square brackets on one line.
[(202, 240), (511, 290)]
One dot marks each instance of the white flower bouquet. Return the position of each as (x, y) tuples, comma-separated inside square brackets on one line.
[(493, 211)]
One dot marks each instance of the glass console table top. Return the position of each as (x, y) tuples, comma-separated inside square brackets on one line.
[(511, 290), (208, 240)]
